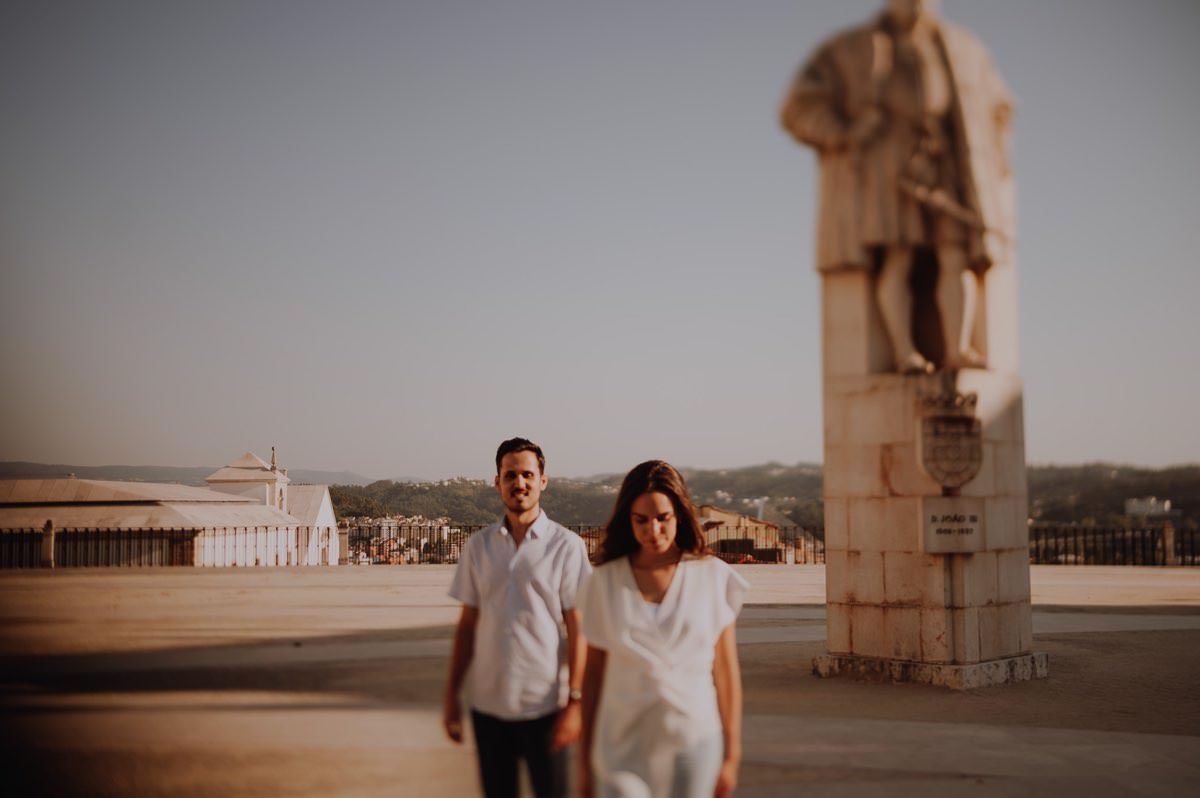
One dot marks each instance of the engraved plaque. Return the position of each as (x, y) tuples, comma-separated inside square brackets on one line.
[(952, 524)]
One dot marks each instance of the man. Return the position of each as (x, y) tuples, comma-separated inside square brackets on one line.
[(910, 122), (517, 581)]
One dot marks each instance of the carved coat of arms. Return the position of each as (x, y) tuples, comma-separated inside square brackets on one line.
[(951, 439)]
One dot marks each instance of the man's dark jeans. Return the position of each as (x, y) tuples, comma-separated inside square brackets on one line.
[(503, 743)]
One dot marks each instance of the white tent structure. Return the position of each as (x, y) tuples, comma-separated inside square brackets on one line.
[(249, 516), (100, 522)]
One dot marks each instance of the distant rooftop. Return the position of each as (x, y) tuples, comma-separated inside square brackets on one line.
[(249, 460), (71, 490), (247, 468), (304, 502), (89, 503)]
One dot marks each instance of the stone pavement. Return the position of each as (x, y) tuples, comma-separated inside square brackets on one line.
[(307, 682)]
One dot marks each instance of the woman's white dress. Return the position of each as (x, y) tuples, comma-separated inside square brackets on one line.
[(658, 698)]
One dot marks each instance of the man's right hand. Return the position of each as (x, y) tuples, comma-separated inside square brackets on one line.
[(452, 719)]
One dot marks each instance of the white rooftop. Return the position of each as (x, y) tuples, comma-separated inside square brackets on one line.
[(247, 468), (249, 460), (90, 503), (71, 490), (304, 502)]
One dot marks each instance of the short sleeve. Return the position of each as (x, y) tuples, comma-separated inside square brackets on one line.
[(575, 571), (731, 593), (463, 587), (593, 609)]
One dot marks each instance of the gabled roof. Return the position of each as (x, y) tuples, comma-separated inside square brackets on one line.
[(712, 510), (228, 474), (247, 468), (249, 460), (304, 502)]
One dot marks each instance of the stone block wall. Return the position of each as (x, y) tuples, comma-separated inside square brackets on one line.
[(888, 595)]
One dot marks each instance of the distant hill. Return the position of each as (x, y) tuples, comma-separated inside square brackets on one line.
[(468, 501), (187, 475), (793, 496), (1093, 493), (1097, 492)]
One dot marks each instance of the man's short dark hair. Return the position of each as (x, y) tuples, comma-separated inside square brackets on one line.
[(520, 445)]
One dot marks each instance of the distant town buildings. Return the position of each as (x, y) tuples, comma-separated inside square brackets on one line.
[(402, 540), (739, 538), (732, 521)]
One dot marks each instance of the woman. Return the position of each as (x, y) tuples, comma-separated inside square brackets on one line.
[(662, 694)]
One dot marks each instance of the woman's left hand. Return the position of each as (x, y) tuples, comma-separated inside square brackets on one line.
[(726, 779)]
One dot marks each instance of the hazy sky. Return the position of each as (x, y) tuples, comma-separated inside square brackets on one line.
[(383, 236)]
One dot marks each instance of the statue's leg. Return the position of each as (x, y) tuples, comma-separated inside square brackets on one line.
[(957, 290), (894, 297)]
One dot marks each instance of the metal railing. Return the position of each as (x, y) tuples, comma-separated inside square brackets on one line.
[(404, 544), (398, 544), (1076, 544), (767, 544), (157, 547), (407, 544)]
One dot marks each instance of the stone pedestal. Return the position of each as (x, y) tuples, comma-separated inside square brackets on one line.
[(956, 677), (927, 562)]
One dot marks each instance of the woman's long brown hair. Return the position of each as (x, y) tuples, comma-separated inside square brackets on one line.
[(652, 476)]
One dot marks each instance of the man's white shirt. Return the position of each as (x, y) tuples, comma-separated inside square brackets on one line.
[(518, 669)]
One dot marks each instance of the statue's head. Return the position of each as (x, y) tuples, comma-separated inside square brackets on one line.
[(909, 11)]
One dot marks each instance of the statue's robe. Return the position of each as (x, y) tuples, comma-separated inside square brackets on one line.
[(860, 199)]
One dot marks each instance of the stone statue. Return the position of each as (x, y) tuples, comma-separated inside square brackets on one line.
[(910, 120)]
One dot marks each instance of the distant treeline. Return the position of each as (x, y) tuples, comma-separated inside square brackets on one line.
[(468, 501), (1093, 493), (1096, 493), (792, 495)]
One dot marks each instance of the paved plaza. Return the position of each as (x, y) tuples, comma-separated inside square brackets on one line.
[(327, 682)]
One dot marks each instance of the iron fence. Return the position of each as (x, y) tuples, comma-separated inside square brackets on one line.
[(403, 544), (156, 547), (1076, 544), (767, 544), (400, 544)]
